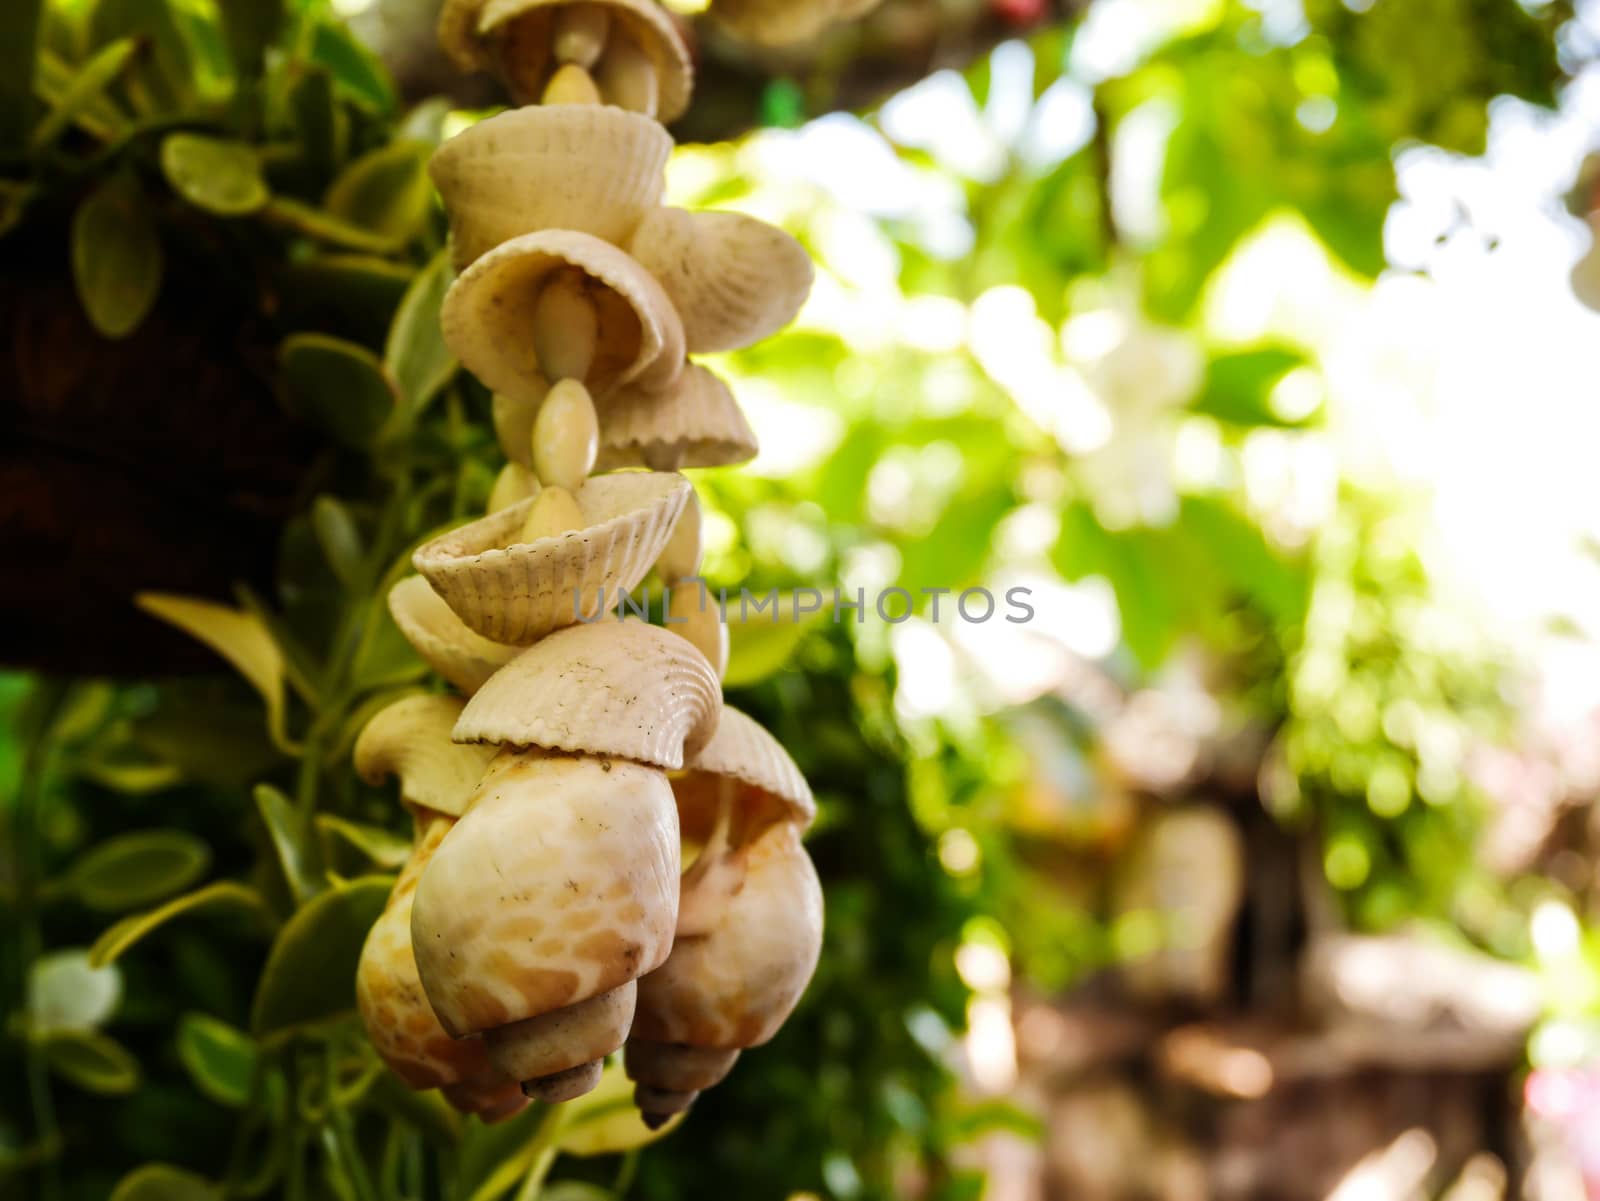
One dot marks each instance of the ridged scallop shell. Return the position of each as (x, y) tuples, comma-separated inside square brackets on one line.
[(770, 786), (410, 740), (735, 985), (733, 278), (590, 168), (560, 883), (615, 688), (464, 658), (695, 423), (518, 34), (518, 593), (487, 315)]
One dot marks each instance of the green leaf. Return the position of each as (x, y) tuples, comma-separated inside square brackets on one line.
[(382, 847), (339, 386), (314, 223), (218, 175), (352, 65), (427, 1111), (70, 990), (116, 256), (87, 88), (348, 295), (311, 970), (1238, 387), (762, 644), (251, 26), (14, 200), (386, 191), (93, 1061), (415, 353), (241, 638), (138, 869), (164, 81), (220, 1059), (19, 40), (224, 896), (296, 855), (339, 539), (606, 1121), (322, 125), (163, 1182)]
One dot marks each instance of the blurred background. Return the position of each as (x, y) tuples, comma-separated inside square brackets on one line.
[(1249, 336)]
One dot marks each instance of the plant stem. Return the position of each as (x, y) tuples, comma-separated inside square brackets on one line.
[(544, 1152)]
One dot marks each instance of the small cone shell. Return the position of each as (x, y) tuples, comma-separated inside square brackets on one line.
[(615, 688), (465, 658), (571, 84), (410, 740), (677, 1067), (553, 514), (580, 32), (695, 616), (514, 483), (734, 279), (628, 77), (597, 170), (770, 787), (735, 986), (398, 1019), (695, 423), (489, 314), (517, 594), (566, 436), (520, 35), (681, 558), (560, 883)]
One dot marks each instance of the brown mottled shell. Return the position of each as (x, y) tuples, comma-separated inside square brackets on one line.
[(559, 884), (695, 423), (769, 787), (519, 36), (410, 740), (734, 279), (517, 594), (614, 688), (735, 985), (464, 658), (488, 315), (590, 168)]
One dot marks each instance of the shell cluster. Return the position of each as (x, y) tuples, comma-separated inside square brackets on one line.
[(546, 919)]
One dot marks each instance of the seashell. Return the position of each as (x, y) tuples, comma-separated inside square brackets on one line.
[(628, 77), (410, 739), (513, 425), (616, 688), (458, 35), (733, 986), (521, 38), (558, 886), (734, 279), (488, 315), (554, 513), (571, 84), (680, 560), (578, 34), (696, 616), (769, 787), (597, 170), (401, 1025), (514, 483), (695, 423), (566, 436), (517, 594), (785, 22), (465, 658)]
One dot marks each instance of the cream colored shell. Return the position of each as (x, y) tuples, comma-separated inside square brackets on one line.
[(410, 740), (519, 37), (615, 688), (695, 423), (734, 279), (519, 593), (734, 986), (783, 22), (769, 787), (442, 639), (594, 169), (488, 315), (560, 883)]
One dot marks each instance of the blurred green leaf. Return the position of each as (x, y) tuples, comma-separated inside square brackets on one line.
[(339, 539), (339, 386), (71, 990), (219, 1059), (163, 81), (163, 1182), (379, 845), (297, 856), (216, 174), (386, 191), (415, 353), (19, 38), (762, 644), (87, 88), (606, 1121), (138, 869), (116, 256), (301, 218), (1238, 387), (311, 970), (352, 65), (93, 1061), (251, 27), (223, 896)]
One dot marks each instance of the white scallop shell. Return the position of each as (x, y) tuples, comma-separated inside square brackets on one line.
[(464, 658), (410, 740), (770, 786), (695, 423)]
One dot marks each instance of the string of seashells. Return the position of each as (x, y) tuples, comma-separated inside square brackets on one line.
[(544, 919)]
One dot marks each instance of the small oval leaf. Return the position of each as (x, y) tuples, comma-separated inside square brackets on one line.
[(138, 869), (225, 896), (415, 353), (93, 1061), (218, 175), (606, 1120), (339, 539), (116, 256), (220, 1059), (385, 190), (337, 385), (163, 1182), (310, 974), (383, 848), (299, 859)]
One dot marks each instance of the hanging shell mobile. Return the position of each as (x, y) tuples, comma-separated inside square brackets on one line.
[(546, 919)]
